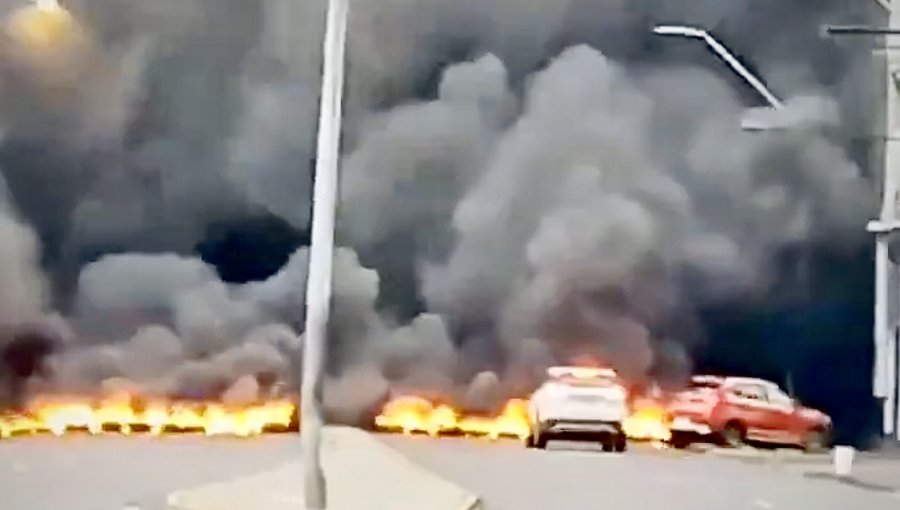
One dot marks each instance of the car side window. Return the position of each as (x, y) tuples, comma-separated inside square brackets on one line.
[(749, 392), (778, 397)]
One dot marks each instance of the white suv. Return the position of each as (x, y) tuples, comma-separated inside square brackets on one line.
[(579, 403)]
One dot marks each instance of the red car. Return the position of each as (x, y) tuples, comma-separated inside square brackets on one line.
[(733, 410)]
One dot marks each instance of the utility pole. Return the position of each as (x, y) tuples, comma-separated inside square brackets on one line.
[(321, 252)]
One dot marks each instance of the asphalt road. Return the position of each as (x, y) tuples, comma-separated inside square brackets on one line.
[(510, 477), (111, 473), (114, 473)]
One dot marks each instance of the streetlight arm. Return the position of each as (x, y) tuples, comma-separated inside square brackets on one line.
[(679, 30), (725, 54)]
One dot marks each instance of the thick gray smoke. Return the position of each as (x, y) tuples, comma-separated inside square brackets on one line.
[(171, 327), (523, 183)]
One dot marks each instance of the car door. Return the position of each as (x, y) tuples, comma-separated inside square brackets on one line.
[(749, 405), (783, 423)]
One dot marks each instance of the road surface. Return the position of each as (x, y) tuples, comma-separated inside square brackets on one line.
[(510, 477), (80, 472), (111, 473)]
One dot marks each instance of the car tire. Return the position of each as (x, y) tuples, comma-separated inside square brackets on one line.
[(733, 435), (815, 441), (621, 443), (536, 439), (540, 441), (607, 444), (679, 440), (529, 441)]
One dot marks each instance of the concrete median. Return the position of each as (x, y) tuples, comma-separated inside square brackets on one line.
[(362, 473)]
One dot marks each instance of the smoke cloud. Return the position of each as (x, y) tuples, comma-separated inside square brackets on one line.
[(521, 185)]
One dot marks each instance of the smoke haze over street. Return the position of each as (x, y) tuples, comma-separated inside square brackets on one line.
[(522, 183)]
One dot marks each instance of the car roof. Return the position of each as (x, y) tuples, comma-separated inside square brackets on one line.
[(707, 379), (731, 381), (557, 372)]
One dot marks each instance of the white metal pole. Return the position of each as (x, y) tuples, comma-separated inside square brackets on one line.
[(886, 290), (321, 252), (889, 214), (896, 373), (892, 411), (881, 379)]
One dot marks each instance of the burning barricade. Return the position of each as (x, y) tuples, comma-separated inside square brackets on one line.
[(647, 421), (411, 414), (416, 415), (125, 415)]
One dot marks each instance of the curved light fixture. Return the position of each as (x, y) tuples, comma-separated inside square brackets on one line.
[(725, 54)]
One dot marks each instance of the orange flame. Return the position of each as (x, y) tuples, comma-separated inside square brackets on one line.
[(647, 421), (61, 415), (410, 414)]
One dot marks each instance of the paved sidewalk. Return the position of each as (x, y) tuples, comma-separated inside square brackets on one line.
[(361, 471), (874, 470)]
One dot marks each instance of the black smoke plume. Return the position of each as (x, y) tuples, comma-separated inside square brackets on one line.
[(523, 183)]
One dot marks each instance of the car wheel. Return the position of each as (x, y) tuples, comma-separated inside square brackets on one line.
[(814, 441), (536, 439), (529, 441), (607, 443), (733, 435), (540, 441), (621, 443), (679, 441)]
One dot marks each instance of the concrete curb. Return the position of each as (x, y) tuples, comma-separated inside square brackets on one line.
[(362, 473)]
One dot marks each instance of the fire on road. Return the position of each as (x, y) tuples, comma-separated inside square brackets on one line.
[(124, 414), (416, 415)]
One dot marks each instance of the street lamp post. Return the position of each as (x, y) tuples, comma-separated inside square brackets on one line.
[(750, 122), (321, 251), (886, 376)]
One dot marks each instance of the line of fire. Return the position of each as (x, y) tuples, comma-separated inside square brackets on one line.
[(127, 414)]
